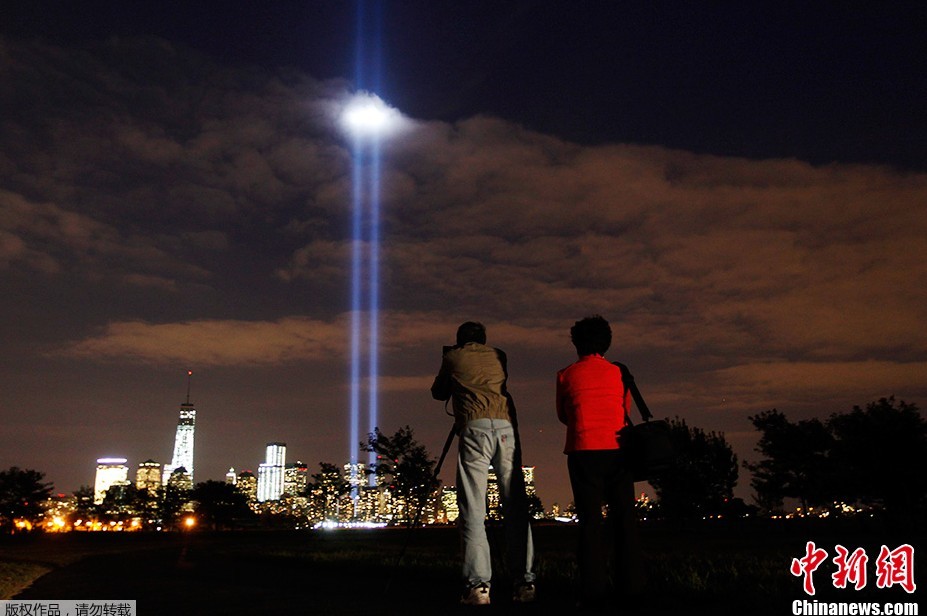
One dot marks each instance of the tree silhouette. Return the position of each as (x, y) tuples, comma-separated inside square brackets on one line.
[(796, 463), (175, 497), (404, 465), (701, 479), (83, 502), (872, 455), (325, 490), (535, 507), (123, 499), (220, 505), (22, 492), (881, 451)]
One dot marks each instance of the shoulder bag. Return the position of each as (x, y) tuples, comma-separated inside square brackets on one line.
[(647, 446)]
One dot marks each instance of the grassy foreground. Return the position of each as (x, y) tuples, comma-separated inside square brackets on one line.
[(699, 568), (16, 576)]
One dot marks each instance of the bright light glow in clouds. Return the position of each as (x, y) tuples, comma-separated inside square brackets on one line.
[(367, 115)]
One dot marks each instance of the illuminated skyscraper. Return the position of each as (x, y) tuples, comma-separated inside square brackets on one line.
[(493, 501), (247, 483), (148, 476), (230, 477), (270, 473), (528, 471), (179, 480), (183, 441), (355, 474), (295, 478), (449, 504), (110, 471)]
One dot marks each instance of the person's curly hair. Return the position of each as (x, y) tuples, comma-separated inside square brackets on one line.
[(471, 331), (591, 335)]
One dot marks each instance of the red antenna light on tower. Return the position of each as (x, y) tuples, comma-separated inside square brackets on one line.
[(189, 378)]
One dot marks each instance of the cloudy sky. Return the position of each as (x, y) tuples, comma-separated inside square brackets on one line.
[(742, 193)]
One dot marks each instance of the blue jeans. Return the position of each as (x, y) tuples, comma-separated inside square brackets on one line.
[(485, 442)]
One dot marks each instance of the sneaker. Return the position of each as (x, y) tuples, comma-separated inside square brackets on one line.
[(524, 592), (478, 594)]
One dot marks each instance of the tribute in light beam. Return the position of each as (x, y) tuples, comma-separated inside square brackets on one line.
[(367, 119)]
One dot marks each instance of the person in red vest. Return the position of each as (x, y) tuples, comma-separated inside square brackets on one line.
[(592, 401)]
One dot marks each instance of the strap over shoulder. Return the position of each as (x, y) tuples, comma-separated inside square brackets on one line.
[(629, 384)]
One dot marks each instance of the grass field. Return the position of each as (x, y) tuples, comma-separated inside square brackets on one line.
[(699, 569), (16, 576)]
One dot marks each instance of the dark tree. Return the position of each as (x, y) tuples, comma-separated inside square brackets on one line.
[(121, 500), (325, 490), (881, 452), (83, 503), (404, 465), (173, 501), (702, 477), (220, 505), (22, 493), (796, 463), (535, 507)]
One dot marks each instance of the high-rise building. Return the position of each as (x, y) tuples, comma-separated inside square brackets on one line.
[(493, 500), (148, 477), (270, 473), (230, 477), (247, 483), (355, 473), (179, 480), (295, 478), (110, 471), (528, 471), (449, 504), (183, 441)]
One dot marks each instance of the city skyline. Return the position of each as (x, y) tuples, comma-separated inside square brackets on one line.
[(739, 189), (272, 475), (279, 486), (275, 477)]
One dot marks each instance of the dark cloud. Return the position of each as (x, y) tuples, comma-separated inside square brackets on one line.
[(204, 210)]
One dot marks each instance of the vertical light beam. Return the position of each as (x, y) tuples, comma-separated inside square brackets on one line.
[(373, 366), (373, 358), (356, 265), (368, 119), (356, 307)]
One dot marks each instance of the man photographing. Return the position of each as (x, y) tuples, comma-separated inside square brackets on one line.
[(473, 376)]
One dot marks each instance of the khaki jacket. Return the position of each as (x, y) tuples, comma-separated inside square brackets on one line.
[(474, 377)]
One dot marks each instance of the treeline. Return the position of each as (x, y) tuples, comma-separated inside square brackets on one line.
[(873, 456), (870, 457)]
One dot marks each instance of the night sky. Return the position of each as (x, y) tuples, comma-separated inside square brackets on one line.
[(740, 188)]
